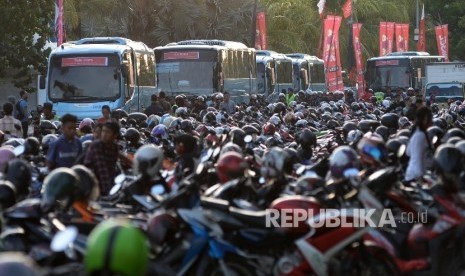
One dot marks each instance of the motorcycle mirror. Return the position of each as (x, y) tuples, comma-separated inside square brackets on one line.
[(199, 169), (300, 170), (115, 188), (63, 239), (120, 178), (248, 138), (157, 189), (401, 150), (216, 152), (19, 150), (208, 155)]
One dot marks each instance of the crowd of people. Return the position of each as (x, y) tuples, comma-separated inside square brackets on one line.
[(272, 139)]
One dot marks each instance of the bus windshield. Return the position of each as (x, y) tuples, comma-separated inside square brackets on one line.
[(87, 78), (189, 71), (391, 73), (284, 72)]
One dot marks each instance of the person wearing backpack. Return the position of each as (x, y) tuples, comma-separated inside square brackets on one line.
[(21, 111)]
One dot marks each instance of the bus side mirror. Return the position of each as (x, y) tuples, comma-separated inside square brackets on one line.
[(271, 74), (41, 82)]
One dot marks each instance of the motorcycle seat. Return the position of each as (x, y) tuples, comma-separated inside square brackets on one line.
[(251, 218), (214, 203)]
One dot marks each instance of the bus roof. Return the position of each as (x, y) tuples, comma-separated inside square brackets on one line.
[(100, 45), (408, 53), (299, 57), (404, 57), (264, 56), (205, 44)]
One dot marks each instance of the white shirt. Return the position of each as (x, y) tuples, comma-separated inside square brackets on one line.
[(7, 125), (417, 150)]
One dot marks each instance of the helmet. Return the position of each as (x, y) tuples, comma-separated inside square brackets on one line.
[(364, 125), (209, 119), (354, 136), (279, 107), (272, 142), (117, 247), (86, 125), (461, 146), (139, 117), (453, 132), (332, 124), (16, 263), (153, 120), (166, 120), (47, 140), (60, 184), (6, 154), (230, 147), (186, 126), (237, 137), (273, 163), (181, 112), (404, 132), (372, 150), (269, 129), (174, 125), (8, 194), (19, 173), (383, 132), (308, 183), (221, 117), (440, 122), (147, 161), (275, 120), (448, 159), (132, 135), (390, 120), (119, 114), (386, 103), (342, 159), (47, 127), (448, 118), (250, 130), (354, 106), (348, 126), (161, 228), (302, 123), (231, 165), (88, 185), (404, 122), (453, 140), (306, 139), (292, 158), (160, 132)]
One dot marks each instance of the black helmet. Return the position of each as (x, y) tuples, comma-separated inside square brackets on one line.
[(435, 131), (31, 146), (272, 142), (453, 132), (404, 132), (186, 126), (383, 132), (448, 159), (393, 146), (279, 107), (291, 159), (348, 126), (365, 125), (8, 194), (19, 173), (119, 114), (88, 183), (440, 122), (332, 124), (390, 120), (237, 136), (209, 119), (307, 139), (132, 135), (354, 106), (47, 140), (60, 184), (47, 127), (139, 117), (250, 130)]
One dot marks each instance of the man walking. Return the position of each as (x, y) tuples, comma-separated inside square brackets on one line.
[(21, 111)]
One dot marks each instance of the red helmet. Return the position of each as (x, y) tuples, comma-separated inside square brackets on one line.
[(230, 165), (307, 205), (161, 227), (269, 129)]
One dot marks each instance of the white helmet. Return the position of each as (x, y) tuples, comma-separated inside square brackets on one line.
[(147, 161), (386, 103)]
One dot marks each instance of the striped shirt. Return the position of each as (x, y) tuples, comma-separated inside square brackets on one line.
[(7, 125)]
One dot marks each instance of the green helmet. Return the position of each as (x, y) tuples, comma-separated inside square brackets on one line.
[(60, 184), (117, 247)]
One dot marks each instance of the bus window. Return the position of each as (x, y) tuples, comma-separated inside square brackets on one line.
[(129, 89)]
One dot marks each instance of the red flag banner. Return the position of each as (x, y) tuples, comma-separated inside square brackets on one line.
[(356, 28), (331, 53), (261, 31), (402, 32), (59, 27), (421, 45), (386, 38), (442, 39), (347, 9)]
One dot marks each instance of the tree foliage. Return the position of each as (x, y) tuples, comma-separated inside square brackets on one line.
[(25, 27)]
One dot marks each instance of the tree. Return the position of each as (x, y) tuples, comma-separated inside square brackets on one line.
[(25, 26)]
